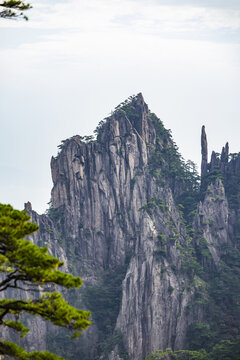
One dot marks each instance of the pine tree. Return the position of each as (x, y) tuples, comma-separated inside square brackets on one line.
[(14, 9), (27, 267)]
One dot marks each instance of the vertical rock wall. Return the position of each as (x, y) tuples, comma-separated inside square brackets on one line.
[(112, 206), (108, 208)]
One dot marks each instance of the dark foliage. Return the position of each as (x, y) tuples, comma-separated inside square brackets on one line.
[(14, 9), (25, 266)]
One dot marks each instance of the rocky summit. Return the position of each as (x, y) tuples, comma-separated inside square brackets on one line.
[(156, 246)]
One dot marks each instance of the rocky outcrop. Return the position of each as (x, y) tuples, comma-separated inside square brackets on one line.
[(47, 235), (212, 220), (111, 207), (204, 151), (115, 204)]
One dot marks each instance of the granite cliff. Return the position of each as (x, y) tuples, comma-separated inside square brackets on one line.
[(130, 217)]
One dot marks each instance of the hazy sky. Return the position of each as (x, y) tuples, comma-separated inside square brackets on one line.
[(75, 60)]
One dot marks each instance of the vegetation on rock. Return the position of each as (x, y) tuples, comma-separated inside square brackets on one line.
[(225, 350)]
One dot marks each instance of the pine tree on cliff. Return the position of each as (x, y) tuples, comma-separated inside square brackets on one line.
[(27, 267), (14, 9)]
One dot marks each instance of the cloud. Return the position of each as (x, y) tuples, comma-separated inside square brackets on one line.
[(85, 31), (230, 4), (140, 16)]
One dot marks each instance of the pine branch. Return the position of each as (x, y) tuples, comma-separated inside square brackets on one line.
[(17, 352), (26, 267), (8, 13)]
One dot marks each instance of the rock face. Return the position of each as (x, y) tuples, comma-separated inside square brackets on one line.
[(115, 205), (204, 150), (212, 219)]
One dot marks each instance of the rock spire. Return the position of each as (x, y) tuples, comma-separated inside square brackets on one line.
[(204, 150)]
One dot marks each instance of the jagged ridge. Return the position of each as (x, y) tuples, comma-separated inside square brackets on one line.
[(125, 207)]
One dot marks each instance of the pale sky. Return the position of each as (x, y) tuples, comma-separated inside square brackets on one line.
[(76, 60)]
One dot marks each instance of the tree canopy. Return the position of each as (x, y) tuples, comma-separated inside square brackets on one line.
[(225, 350), (27, 267), (14, 9)]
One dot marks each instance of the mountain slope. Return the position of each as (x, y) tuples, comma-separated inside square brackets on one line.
[(151, 246)]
